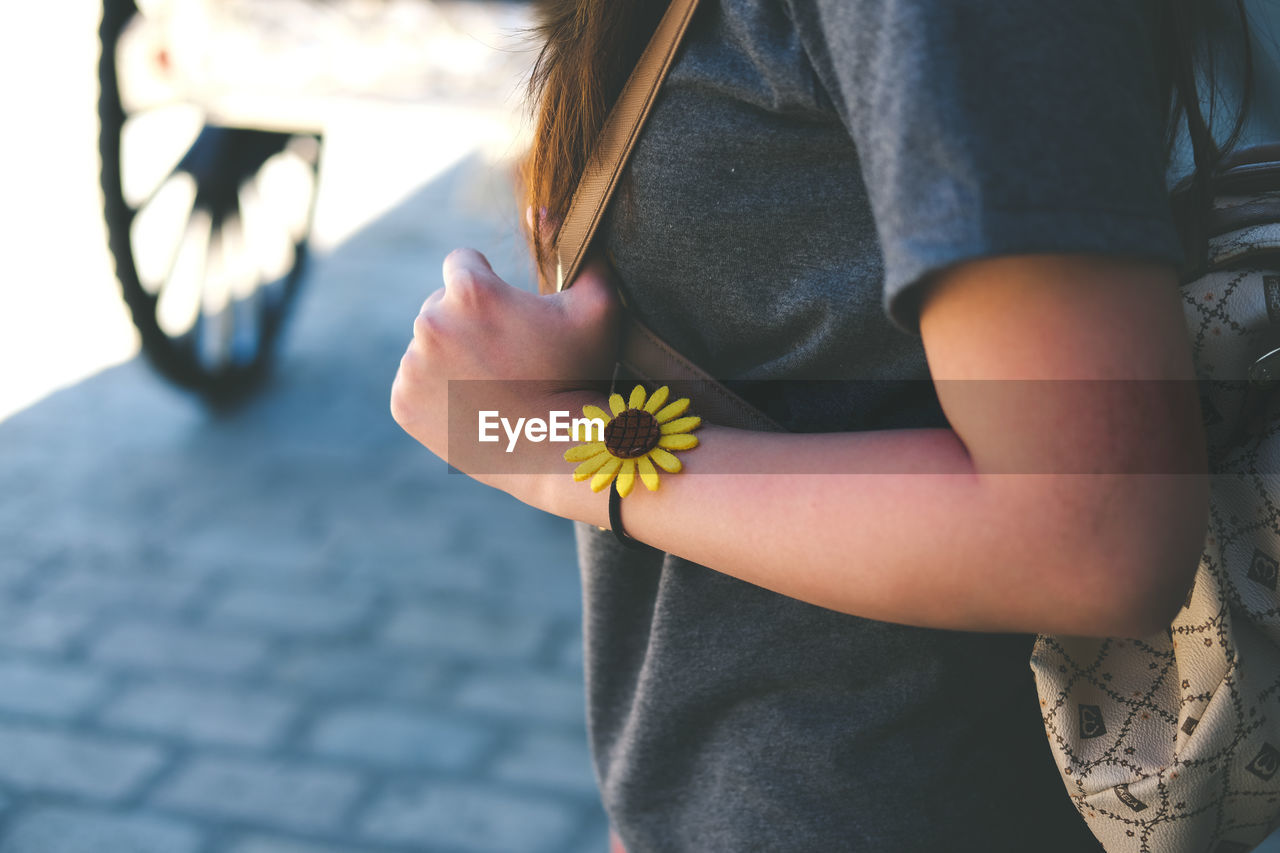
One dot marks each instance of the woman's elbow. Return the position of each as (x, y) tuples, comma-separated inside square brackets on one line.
[(1146, 556)]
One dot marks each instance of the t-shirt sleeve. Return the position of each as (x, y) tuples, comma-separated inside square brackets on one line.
[(988, 127)]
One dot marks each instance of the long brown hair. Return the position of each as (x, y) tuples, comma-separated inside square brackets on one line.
[(589, 47)]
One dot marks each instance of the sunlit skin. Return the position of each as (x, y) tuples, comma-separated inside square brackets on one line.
[(944, 539)]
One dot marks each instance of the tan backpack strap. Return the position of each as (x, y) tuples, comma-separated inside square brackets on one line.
[(645, 356), (617, 138), (642, 353)]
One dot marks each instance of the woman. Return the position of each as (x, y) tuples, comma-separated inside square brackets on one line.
[(915, 198)]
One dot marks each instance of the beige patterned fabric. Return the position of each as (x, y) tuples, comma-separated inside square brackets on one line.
[(1172, 744)]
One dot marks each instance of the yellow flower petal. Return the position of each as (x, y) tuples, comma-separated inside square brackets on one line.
[(592, 465), (618, 404), (675, 410), (637, 398), (648, 475), (656, 399), (583, 451), (679, 441), (681, 425), (596, 413), (626, 477), (666, 461), (604, 476)]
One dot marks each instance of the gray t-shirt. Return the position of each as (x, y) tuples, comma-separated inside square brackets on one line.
[(808, 163)]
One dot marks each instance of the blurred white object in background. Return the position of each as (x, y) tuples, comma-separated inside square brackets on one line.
[(402, 89), (293, 62)]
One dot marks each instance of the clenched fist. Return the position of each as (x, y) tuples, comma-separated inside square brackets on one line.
[(482, 344)]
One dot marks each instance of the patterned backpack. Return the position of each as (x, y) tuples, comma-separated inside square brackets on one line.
[(1172, 744)]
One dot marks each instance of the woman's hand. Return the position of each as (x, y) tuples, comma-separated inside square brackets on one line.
[(480, 343)]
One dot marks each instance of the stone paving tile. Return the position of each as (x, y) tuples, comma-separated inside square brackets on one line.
[(333, 669), (13, 571), (158, 646), (463, 629), (53, 690), (364, 671), (546, 545), (202, 713), (470, 817), (32, 628), (400, 560), (268, 561), (568, 653), (400, 738), (523, 695), (75, 830), (266, 844), (594, 841), (295, 611), (285, 551), (98, 590), (58, 761), (548, 760), (288, 795), (423, 684), (87, 537)]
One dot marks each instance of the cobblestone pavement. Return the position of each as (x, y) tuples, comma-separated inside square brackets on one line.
[(284, 628)]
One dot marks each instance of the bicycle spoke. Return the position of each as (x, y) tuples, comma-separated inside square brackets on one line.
[(247, 319), (180, 298), (272, 251), (243, 291), (152, 145), (156, 231), (289, 183), (215, 318)]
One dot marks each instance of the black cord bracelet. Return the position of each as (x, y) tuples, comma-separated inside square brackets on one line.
[(615, 518)]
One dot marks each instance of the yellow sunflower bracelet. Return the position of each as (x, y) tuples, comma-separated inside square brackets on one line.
[(639, 438)]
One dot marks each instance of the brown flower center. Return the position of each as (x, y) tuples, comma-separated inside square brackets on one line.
[(632, 433)]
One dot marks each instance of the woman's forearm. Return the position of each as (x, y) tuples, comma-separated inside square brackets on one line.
[(903, 528), (1068, 495)]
